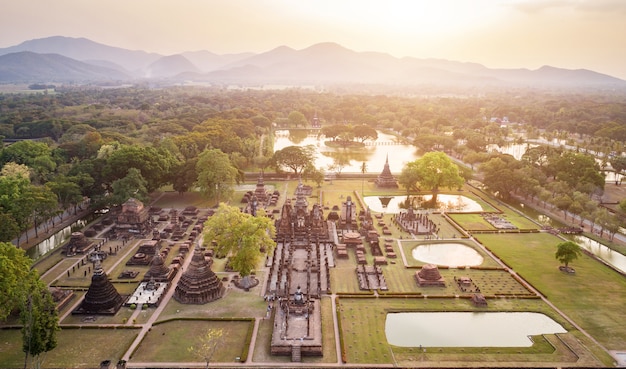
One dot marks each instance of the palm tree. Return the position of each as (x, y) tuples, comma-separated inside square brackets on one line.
[(363, 170)]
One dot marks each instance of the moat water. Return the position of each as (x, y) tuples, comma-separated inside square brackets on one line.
[(55, 240), (374, 155)]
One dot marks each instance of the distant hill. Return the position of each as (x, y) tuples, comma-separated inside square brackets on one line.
[(321, 64), (83, 49), (170, 66), (329, 62), (207, 61), (27, 66)]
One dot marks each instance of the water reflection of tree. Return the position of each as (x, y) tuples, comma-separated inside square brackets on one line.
[(412, 202), (344, 158), (420, 202), (298, 135)]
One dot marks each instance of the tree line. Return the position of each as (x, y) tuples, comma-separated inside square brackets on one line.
[(106, 145)]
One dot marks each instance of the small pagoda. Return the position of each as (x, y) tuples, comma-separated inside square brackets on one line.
[(102, 298), (158, 271), (78, 244), (386, 179), (429, 276), (259, 191), (199, 284)]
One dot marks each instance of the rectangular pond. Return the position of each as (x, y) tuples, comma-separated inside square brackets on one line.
[(467, 329)]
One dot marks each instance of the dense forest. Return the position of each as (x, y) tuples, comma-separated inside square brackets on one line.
[(108, 144)]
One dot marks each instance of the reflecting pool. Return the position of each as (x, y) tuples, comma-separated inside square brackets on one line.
[(450, 254), (394, 204), (373, 154), (465, 329)]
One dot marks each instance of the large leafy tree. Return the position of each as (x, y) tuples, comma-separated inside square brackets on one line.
[(619, 165), (579, 171), (133, 185), (185, 176), (40, 322), (14, 199), (12, 169), (436, 171), (69, 189), (500, 175), (297, 119), (566, 252), (43, 203), (14, 272), (365, 132), (154, 164), (24, 152), (216, 174), (333, 131), (409, 177), (240, 235), (9, 229), (295, 158)]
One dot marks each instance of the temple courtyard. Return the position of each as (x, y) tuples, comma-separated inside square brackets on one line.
[(137, 290)]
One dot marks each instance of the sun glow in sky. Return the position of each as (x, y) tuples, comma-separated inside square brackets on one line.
[(572, 34)]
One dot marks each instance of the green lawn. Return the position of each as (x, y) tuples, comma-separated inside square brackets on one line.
[(363, 332), (76, 348), (170, 341), (593, 297), (472, 222)]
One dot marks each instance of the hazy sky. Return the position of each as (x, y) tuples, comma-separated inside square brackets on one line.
[(572, 34)]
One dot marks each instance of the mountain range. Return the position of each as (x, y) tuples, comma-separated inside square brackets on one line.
[(78, 60)]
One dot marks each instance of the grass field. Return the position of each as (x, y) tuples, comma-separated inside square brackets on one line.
[(76, 348), (363, 329), (592, 289), (171, 341)]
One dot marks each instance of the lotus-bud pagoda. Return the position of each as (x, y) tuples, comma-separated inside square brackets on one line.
[(386, 179)]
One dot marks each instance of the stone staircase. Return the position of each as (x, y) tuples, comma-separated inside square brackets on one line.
[(296, 354)]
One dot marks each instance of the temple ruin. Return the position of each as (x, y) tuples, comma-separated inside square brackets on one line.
[(299, 274), (133, 218)]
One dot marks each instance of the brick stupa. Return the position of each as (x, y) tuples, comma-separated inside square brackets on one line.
[(429, 276), (102, 298), (158, 271), (199, 284)]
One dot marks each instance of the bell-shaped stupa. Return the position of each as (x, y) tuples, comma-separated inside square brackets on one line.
[(199, 284)]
